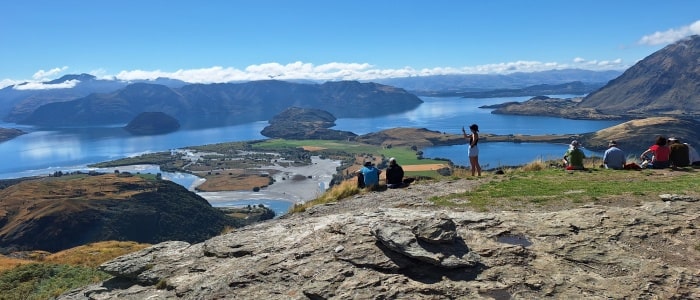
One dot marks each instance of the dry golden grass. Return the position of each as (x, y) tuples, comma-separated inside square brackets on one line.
[(428, 167), (8, 263), (641, 133), (94, 254), (537, 165), (90, 255), (92, 187), (345, 189), (313, 148)]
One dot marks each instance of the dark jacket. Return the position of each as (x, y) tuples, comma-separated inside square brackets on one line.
[(394, 174)]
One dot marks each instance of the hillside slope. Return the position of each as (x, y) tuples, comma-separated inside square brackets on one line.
[(635, 136), (665, 82), (53, 214)]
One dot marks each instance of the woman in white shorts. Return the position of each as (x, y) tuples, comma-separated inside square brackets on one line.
[(473, 151)]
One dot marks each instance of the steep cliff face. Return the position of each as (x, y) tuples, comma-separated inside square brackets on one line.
[(665, 82), (397, 245)]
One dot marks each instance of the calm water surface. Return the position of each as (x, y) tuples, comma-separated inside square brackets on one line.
[(42, 152), (45, 151)]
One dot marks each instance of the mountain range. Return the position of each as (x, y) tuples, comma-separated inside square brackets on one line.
[(87, 100), (209, 105), (666, 82)]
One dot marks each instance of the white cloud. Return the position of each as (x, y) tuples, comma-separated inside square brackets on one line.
[(352, 71), (309, 71), (41, 74), (8, 82), (671, 35), (43, 86)]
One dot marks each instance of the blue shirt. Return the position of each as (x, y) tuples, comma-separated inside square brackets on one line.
[(371, 175), (614, 158)]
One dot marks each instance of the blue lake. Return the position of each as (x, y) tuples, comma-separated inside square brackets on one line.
[(45, 151), (42, 152)]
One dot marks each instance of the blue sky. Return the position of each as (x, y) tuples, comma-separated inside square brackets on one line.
[(220, 41)]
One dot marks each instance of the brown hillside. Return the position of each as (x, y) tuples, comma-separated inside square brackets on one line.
[(638, 135), (419, 137), (53, 214), (665, 82)]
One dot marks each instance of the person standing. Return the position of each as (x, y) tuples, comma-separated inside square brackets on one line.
[(614, 158), (394, 175), (573, 158), (473, 150)]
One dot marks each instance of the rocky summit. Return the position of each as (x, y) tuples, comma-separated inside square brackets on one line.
[(396, 244)]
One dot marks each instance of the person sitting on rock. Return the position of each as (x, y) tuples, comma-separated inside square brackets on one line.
[(394, 175), (368, 176), (573, 158)]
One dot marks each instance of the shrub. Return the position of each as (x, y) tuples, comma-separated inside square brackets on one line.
[(46, 281)]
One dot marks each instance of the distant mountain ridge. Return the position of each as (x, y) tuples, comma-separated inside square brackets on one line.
[(203, 105), (665, 82), (487, 82), (17, 103), (573, 88)]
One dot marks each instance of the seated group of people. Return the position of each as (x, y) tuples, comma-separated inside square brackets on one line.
[(368, 176), (669, 152), (663, 154)]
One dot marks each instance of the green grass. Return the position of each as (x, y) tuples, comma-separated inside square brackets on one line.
[(403, 155), (555, 185), (45, 281)]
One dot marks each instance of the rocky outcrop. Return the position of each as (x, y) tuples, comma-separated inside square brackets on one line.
[(397, 245)]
